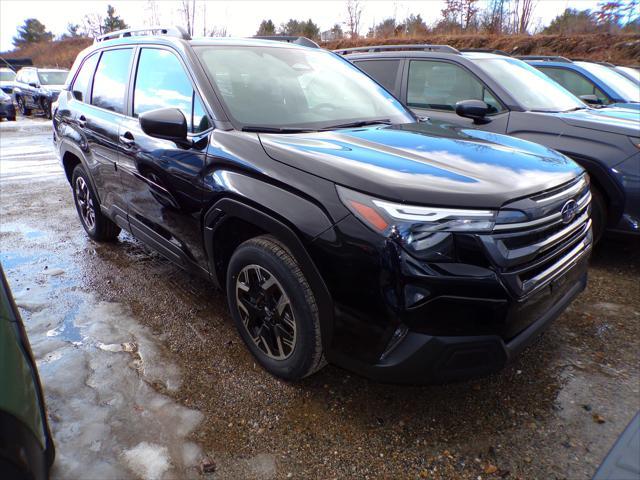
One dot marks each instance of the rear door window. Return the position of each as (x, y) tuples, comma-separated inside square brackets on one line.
[(575, 83), (440, 85), (82, 82), (110, 81), (385, 72)]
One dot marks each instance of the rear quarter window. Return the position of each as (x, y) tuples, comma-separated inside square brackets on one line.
[(385, 72), (82, 82)]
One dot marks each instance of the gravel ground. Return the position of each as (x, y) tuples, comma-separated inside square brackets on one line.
[(554, 413)]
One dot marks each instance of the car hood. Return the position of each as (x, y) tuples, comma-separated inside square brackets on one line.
[(624, 121), (426, 163), (53, 88)]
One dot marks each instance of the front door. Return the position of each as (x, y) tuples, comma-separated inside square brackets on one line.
[(435, 86), (162, 179)]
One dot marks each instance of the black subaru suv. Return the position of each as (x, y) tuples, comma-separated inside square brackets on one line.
[(499, 93), (341, 228)]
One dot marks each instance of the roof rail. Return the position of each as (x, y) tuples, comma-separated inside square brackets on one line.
[(606, 64), (546, 58), (486, 50), (174, 31), (409, 47), (304, 41)]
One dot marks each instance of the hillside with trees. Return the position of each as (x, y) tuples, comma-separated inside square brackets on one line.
[(609, 33)]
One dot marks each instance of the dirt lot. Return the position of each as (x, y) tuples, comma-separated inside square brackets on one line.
[(145, 376)]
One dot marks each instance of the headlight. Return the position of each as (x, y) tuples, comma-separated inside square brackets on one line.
[(422, 229)]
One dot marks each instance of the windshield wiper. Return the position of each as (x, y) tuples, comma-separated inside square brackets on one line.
[(265, 129), (361, 123)]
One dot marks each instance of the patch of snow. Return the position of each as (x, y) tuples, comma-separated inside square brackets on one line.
[(53, 272), (107, 420), (148, 460)]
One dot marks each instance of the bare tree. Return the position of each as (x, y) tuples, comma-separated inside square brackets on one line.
[(153, 15), (218, 31), (526, 13), (522, 12), (354, 12), (93, 25), (188, 9)]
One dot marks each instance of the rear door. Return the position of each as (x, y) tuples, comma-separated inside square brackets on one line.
[(163, 180), (99, 96), (433, 87)]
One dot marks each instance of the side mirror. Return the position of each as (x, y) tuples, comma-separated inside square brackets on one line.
[(476, 110), (33, 84), (591, 99), (165, 123)]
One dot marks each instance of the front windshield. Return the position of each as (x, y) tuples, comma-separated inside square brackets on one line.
[(52, 78), (532, 89), (624, 87), (277, 87), (7, 76)]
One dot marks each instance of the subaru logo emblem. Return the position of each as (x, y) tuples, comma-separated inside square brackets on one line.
[(569, 211)]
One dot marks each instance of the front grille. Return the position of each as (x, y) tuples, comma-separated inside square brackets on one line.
[(529, 254)]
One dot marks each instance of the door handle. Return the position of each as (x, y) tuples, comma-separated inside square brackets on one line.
[(127, 139), (82, 121)]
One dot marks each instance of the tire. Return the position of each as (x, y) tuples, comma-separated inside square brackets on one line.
[(11, 119), (281, 301), (46, 108), (22, 106), (95, 223), (598, 214)]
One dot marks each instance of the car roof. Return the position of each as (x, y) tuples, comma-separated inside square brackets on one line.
[(423, 54), (198, 41)]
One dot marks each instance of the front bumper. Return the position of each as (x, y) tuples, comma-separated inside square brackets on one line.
[(421, 359), (7, 110), (404, 320)]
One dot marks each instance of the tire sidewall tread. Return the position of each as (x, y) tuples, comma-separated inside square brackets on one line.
[(104, 230), (268, 252)]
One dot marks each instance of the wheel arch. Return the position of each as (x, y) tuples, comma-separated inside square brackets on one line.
[(601, 178), (70, 157), (245, 221)]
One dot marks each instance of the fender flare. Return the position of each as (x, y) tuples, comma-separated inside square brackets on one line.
[(68, 147), (610, 188), (231, 208)]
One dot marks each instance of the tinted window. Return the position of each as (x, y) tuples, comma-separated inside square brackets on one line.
[(52, 78), (384, 71), (110, 81), (83, 79), (575, 83), (440, 85), (161, 82)]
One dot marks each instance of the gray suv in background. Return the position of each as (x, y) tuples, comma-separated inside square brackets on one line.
[(501, 94)]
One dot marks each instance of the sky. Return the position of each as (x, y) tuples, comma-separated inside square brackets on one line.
[(240, 17)]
